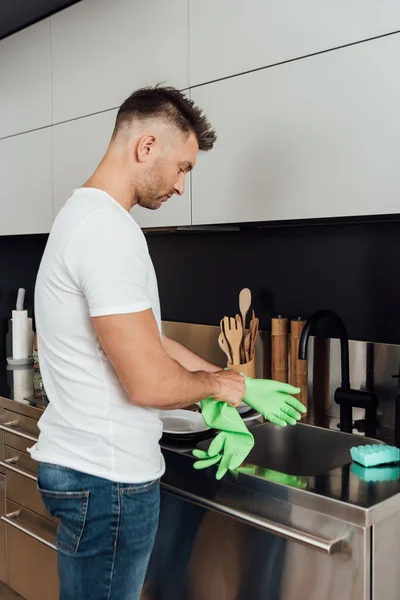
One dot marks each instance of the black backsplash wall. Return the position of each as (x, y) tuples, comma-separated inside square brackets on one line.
[(353, 269), (19, 262)]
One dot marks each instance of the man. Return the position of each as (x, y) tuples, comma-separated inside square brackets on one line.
[(106, 368)]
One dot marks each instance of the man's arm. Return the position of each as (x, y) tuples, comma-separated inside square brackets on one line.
[(186, 357), (149, 375)]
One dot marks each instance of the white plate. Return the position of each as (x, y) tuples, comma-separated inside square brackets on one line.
[(182, 422), (251, 418)]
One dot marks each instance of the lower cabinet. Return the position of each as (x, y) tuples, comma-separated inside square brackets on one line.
[(31, 554)]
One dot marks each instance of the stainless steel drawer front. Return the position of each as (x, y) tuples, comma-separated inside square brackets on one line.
[(24, 427), (314, 542), (19, 462), (12, 519)]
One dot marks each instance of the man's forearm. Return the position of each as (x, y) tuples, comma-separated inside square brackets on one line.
[(187, 358)]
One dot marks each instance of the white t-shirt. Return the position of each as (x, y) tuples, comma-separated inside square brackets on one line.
[(96, 263)]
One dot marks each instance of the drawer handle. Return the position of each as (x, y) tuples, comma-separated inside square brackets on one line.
[(9, 464), (10, 519), (10, 428), (329, 547)]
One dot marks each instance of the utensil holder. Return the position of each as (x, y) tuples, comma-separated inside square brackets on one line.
[(248, 369)]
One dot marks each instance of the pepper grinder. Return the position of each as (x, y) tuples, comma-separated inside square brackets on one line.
[(298, 368), (279, 342)]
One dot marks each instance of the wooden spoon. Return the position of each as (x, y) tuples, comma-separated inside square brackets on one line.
[(244, 304), (233, 333)]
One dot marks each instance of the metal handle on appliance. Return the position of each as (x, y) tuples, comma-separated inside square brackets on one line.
[(8, 464), (10, 520), (329, 547), (10, 428)]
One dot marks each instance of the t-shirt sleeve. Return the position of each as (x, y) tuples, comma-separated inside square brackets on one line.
[(108, 260)]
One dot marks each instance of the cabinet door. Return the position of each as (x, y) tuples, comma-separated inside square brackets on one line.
[(319, 137), (233, 36), (102, 51), (25, 101), (78, 147), (26, 204)]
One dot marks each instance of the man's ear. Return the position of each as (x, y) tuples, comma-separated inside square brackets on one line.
[(144, 146)]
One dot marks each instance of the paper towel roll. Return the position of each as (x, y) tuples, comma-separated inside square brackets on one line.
[(23, 383), (21, 334)]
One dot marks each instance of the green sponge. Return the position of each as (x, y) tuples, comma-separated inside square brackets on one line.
[(375, 454)]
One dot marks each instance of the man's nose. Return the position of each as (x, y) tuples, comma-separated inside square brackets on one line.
[(179, 187)]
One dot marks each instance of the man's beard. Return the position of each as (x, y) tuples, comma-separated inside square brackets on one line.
[(150, 190)]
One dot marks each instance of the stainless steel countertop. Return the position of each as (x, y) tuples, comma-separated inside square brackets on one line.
[(338, 493)]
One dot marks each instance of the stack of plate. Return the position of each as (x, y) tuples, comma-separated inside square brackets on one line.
[(189, 425)]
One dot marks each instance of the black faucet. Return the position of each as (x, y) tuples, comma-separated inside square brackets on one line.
[(344, 396)]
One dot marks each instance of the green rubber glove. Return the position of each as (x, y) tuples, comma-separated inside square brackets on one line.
[(273, 401), (276, 476), (231, 446)]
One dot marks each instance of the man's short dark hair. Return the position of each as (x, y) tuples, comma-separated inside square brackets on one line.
[(171, 105)]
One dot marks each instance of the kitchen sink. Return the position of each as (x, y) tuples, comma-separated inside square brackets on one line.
[(302, 450)]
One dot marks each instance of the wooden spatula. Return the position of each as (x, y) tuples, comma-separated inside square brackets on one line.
[(254, 325), (233, 333), (224, 347), (244, 307)]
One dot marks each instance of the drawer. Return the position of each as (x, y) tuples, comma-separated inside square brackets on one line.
[(21, 426), (17, 442), (31, 554), (22, 489), (19, 461)]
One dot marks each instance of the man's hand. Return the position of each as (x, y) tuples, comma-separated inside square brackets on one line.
[(232, 387)]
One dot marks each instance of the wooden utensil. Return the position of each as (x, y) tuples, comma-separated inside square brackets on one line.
[(244, 304), (233, 332), (247, 340), (225, 338), (254, 324), (239, 320), (244, 307), (224, 346)]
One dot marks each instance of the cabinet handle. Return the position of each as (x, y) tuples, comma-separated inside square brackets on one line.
[(9, 464), (329, 547), (10, 428), (10, 519)]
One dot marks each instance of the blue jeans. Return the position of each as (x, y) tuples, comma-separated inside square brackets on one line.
[(105, 535)]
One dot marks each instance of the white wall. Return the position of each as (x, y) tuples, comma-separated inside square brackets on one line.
[(281, 129)]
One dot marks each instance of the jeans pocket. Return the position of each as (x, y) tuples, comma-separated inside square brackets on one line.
[(71, 510), (139, 488)]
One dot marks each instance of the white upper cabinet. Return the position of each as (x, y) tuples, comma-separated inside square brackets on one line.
[(233, 36), (102, 50), (25, 96), (26, 191), (319, 137), (78, 147)]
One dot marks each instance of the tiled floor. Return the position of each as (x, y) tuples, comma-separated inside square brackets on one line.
[(7, 593)]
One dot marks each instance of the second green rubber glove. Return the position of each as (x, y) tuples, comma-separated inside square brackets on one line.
[(273, 400), (231, 446)]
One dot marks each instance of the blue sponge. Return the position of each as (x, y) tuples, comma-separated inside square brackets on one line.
[(382, 473), (375, 454)]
